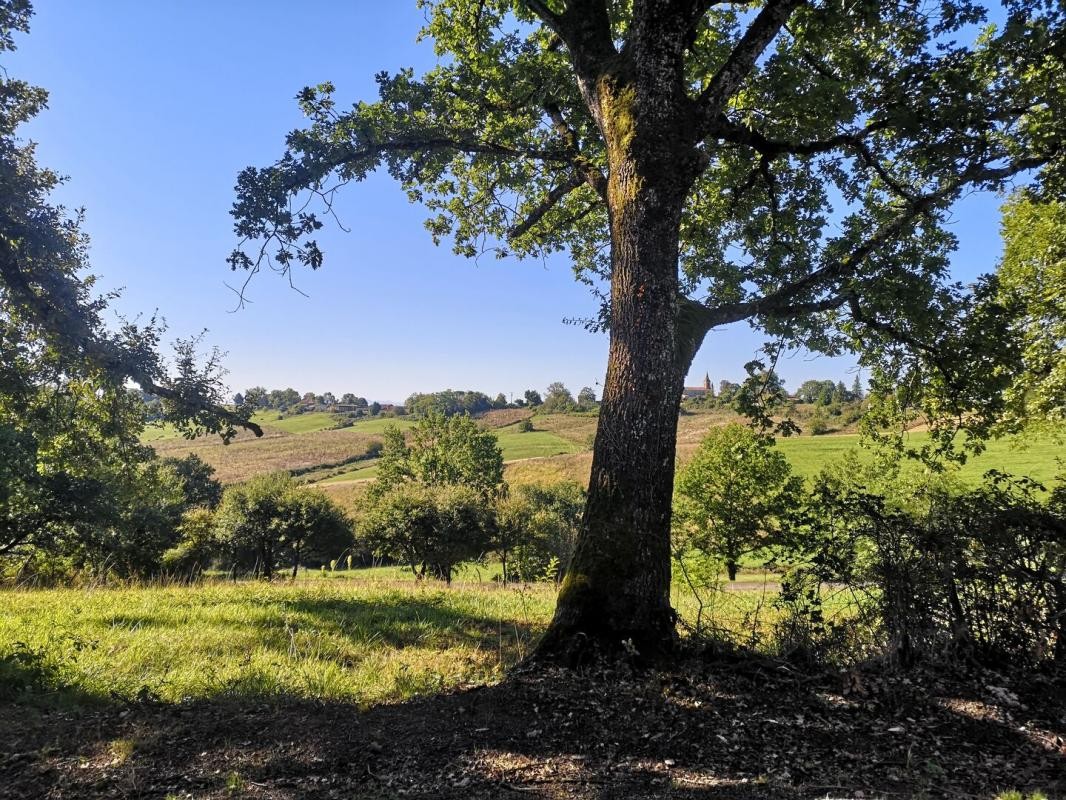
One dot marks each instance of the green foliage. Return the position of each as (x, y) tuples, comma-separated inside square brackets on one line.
[(51, 324), (1032, 282), (832, 176), (199, 545), (443, 451), (269, 521), (586, 398), (558, 399), (538, 528), (946, 573), (431, 528), (199, 488), (731, 498), (448, 403)]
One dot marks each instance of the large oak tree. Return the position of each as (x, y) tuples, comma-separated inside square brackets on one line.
[(787, 163)]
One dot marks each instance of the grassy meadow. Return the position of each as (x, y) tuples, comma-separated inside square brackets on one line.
[(557, 448), (365, 636), (359, 640)]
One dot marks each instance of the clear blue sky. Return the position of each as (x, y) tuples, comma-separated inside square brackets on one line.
[(156, 106)]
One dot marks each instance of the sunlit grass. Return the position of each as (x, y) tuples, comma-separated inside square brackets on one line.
[(1030, 456), (364, 636), (513, 444), (297, 423), (361, 640)]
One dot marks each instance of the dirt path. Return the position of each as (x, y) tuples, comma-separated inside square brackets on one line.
[(715, 730)]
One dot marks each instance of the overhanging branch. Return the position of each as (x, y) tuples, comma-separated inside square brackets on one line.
[(725, 83), (551, 199), (787, 300), (107, 356)]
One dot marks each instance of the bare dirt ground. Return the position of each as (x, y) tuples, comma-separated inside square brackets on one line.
[(705, 729)]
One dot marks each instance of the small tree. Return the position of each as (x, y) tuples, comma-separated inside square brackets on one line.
[(558, 399), (538, 528), (247, 521), (256, 397), (733, 494), (532, 397), (311, 525), (272, 520), (444, 451), (430, 528), (586, 398)]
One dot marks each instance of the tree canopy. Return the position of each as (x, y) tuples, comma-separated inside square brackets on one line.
[(828, 141), (788, 163), (1032, 281)]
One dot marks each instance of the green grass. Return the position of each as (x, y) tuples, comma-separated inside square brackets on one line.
[(379, 424), (361, 474), (358, 640), (365, 636), (159, 432), (298, 423), (533, 444), (513, 444), (1033, 457)]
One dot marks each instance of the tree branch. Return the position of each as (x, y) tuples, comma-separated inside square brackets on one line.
[(762, 31), (734, 133), (108, 356), (593, 175), (557, 193), (782, 303)]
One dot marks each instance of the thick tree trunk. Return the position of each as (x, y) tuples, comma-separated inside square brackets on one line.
[(616, 592)]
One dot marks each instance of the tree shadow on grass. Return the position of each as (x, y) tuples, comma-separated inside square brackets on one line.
[(697, 731), (399, 621)]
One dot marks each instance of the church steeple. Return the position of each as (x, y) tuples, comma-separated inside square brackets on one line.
[(707, 381)]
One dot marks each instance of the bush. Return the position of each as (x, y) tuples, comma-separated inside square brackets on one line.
[(976, 575), (525, 426), (538, 528), (269, 521), (432, 529), (198, 547)]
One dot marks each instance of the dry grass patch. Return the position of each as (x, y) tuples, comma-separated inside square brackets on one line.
[(248, 456)]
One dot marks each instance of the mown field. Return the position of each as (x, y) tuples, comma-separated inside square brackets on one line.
[(557, 448), (366, 636)]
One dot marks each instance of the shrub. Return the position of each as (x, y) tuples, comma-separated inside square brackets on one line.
[(198, 547), (974, 575), (432, 529), (525, 426), (538, 528)]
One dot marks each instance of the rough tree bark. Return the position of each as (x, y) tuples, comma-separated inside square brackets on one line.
[(616, 593)]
